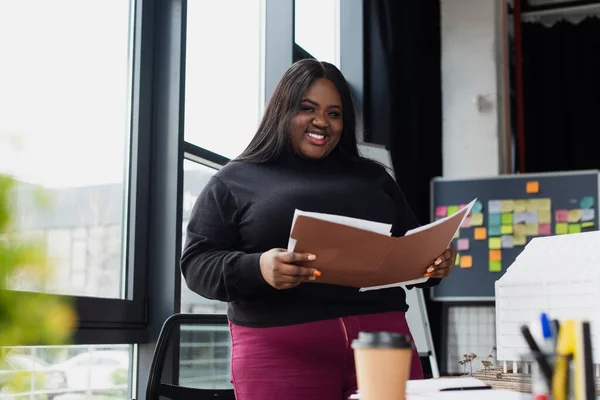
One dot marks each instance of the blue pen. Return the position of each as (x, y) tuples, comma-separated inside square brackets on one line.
[(548, 338), (546, 326)]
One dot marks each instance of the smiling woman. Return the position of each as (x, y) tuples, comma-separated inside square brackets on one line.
[(290, 333)]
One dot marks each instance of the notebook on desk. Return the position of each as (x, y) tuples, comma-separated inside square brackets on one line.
[(450, 388)]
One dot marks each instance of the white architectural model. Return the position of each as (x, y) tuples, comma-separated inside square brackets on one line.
[(559, 275)]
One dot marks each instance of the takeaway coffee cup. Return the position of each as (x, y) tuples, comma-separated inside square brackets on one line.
[(383, 361)]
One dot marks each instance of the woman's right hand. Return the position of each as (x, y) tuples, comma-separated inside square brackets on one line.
[(278, 269)]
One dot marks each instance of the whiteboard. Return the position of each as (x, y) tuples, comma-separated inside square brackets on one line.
[(417, 318)]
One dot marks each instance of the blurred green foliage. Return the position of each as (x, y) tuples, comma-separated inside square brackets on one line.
[(27, 318)]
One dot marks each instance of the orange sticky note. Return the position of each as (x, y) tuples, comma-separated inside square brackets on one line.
[(495, 255), (532, 187), (480, 233), (466, 261)]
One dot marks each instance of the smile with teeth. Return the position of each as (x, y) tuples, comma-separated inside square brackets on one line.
[(317, 136)]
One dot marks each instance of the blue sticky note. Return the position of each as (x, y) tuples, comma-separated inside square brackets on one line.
[(477, 207), (586, 202), (495, 220), (495, 230)]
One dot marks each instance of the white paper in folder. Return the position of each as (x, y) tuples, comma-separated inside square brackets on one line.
[(377, 227)]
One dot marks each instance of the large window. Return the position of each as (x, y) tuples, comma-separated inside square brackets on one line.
[(64, 112), (65, 134), (317, 29), (223, 74)]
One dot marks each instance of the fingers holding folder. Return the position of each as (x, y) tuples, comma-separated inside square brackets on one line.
[(279, 268), (443, 265)]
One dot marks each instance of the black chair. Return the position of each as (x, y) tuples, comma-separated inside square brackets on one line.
[(199, 347)]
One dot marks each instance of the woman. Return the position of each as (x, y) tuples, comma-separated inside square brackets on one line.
[(290, 335)]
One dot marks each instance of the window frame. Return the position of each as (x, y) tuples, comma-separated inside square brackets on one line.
[(123, 320)]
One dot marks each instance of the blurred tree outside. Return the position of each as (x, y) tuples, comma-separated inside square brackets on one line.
[(27, 318)]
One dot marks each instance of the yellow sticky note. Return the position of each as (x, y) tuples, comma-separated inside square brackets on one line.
[(574, 228), (519, 240), (544, 217), (520, 205), (494, 243), (587, 224), (507, 206), (533, 205), (457, 260), (561, 228), (476, 219), (480, 233), (532, 187), (466, 261), (519, 229), (532, 229), (507, 219), (495, 255), (506, 229), (495, 266), (545, 204), (574, 215), (456, 235)]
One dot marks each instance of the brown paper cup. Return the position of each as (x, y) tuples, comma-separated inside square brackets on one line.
[(383, 361)]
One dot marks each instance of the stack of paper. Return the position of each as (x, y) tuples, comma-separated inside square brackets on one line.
[(360, 253)]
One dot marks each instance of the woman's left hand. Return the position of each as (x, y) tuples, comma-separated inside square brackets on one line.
[(442, 266)]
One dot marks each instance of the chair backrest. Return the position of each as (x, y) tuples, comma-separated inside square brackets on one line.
[(199, 348)]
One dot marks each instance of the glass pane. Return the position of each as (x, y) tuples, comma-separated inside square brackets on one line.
[(204, 355), (64, 128), (195, 177), (66, 372), (323, 42), (223, 78)]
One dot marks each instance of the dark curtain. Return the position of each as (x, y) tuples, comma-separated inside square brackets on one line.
[(403, 108), (403, 91), (561, 74)]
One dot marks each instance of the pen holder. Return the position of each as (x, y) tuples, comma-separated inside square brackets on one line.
[(534, 374)]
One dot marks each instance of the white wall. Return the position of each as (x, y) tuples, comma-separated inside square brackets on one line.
[(471, 144)]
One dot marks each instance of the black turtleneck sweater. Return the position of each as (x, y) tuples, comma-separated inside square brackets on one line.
[(247, 209)]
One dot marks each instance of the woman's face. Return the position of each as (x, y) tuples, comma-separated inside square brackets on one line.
[(317, 127)]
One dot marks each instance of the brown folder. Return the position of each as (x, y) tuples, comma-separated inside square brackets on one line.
[(355, 257)]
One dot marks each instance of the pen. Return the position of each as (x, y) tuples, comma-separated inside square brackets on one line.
[(465, 388), (547, 343), (545, 367)]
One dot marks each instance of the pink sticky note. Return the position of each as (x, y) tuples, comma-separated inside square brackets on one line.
[(544, 229), (461, 206), (441, 211), (466, 223), (562, 215), (462, 244)]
